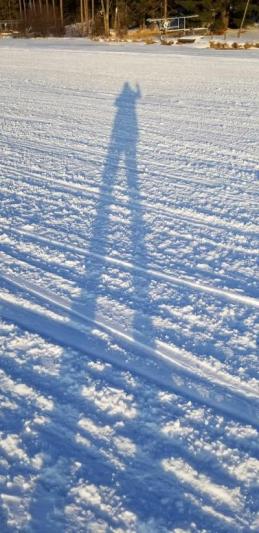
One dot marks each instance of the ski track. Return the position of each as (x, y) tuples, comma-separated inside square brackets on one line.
[(16, 251), (194, 217), (168, 277), (129, 396)]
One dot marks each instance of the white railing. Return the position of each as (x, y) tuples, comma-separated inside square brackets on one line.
[(176, 24)]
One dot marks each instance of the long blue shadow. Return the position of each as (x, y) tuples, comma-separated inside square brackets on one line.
[(122, 153), (144, 487)]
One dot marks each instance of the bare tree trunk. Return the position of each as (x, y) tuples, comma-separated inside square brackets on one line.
[(24, 10), (20, 9), (116, 19), (61, 12), (54, 11), (106, 17), (92, 17), (165, 9), (243, 19), (40, 5), (86, 13), (82, 11)]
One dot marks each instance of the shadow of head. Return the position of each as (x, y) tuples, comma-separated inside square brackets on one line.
[(128, 96)]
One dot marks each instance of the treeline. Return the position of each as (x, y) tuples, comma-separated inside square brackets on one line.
[(98, 16)]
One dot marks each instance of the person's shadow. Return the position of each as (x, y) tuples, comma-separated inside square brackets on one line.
[(80, 446), (100, 245), (121, 156)]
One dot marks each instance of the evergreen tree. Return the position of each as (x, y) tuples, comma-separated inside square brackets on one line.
[(130, 13), (9, 9)]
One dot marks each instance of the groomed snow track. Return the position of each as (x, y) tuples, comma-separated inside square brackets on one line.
[(128, 288)]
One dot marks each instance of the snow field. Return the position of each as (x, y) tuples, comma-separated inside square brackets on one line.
[(129, 296)]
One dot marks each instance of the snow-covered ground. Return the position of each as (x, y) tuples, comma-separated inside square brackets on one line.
[(129, 374)]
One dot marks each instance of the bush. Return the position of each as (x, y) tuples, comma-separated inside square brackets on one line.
[(167, 42), (236, 46), (77, 30), (219, 45), (143, 34)]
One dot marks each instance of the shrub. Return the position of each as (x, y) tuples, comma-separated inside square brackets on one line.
[(143, 34), (236, 46), (167, 42)]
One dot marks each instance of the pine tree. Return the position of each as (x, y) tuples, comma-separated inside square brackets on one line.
[(9, 9), (132, 12)]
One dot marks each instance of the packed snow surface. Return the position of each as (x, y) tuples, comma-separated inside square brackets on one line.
[(128, 302)]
